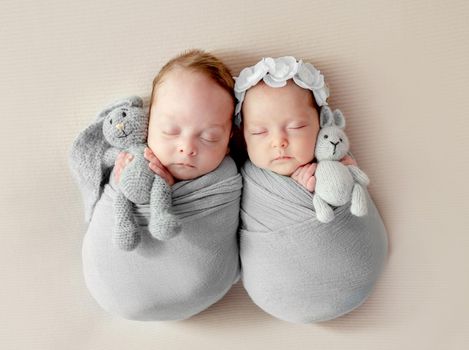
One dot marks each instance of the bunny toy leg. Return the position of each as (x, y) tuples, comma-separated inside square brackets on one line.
[(324, 212), (163, 224), (358, 205), (126, 235)]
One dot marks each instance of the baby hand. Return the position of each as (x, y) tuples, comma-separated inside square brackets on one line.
[(304, 175), (158, 168), (121, 162), (347, 160)]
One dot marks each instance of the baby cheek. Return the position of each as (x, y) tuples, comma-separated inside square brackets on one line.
[(161, 149), (306, 151), (258, 157), (219, 152), (152, 136)]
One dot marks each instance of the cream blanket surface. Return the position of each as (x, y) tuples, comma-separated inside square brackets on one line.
[(174, 279), (297, 268)]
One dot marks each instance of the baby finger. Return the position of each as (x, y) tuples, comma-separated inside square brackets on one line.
[(311, 184)]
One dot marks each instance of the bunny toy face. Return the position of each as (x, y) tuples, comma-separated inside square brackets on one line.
[(125, 126), (332, 142)]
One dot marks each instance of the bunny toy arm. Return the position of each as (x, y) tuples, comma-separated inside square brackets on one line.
[(359, 175)]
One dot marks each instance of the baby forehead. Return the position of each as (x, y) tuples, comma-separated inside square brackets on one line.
[(283, 103), (287, 100)]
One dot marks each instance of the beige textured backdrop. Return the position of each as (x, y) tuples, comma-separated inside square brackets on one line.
[(398, 69)]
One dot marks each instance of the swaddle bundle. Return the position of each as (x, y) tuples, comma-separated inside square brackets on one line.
[(174, 279), (297, 268)]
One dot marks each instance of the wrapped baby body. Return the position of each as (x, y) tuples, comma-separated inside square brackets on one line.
[(297, 268), (173, 279)]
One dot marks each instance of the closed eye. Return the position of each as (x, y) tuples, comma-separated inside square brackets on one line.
[(297, 127), (170, 133), (209, 140), (210, 137), (257, 132)]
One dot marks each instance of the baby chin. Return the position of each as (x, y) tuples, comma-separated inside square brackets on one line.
[(183, 172), (283, 166)]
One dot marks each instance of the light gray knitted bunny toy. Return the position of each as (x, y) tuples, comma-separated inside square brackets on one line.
[(126, 128), (87, 159), (336, 183), (124, 125)]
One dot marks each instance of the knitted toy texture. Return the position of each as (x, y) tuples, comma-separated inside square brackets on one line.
[(126, 127), (123, 126), (336, 183)]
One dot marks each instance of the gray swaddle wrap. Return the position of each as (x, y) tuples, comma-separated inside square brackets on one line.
[(297, 268), (174, 279)]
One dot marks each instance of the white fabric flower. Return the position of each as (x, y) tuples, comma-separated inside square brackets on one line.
[(308, 77), (280, 70), (250, 76), (321, 95)]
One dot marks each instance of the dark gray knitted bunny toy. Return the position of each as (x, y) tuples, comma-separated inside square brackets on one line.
[(336, 184), (124, 126)]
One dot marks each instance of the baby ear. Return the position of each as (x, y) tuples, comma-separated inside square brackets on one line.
[(339, 119), (325, 118)]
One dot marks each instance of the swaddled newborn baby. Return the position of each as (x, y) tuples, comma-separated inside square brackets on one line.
[(190, 120), (294, 266)]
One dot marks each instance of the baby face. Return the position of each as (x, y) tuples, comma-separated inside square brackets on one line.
[(280, 127), (190, 123)]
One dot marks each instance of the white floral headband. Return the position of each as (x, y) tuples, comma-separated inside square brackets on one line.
[(275, 72)]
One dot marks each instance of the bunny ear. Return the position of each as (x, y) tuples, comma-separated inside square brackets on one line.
[(86, 156), (135, 101), (85, 160), (131, 101), (325, 117), (339, 119)]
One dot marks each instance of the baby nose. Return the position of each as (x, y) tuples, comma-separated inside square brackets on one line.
[(280, 142), (188, 149), (190, 152), (120, 126)]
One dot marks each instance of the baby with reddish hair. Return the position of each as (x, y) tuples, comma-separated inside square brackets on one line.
[(190, 125)]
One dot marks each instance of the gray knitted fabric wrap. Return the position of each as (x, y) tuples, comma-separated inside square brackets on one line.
[(174, 279), (299, 269)]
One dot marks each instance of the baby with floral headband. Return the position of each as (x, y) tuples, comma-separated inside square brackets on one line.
[(280, 125), (293, 266)]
